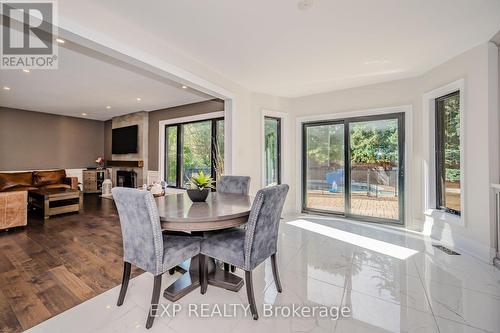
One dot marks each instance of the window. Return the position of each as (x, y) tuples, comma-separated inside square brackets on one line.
[(218, 153), (447, 149), (272, 150), (193, 147), (171, 155)]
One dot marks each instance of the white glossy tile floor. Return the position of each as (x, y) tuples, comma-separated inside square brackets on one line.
[(399, 284)]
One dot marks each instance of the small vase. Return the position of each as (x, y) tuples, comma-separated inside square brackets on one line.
[(198, 195)]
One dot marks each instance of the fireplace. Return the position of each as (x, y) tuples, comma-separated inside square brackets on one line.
[(126, 178)]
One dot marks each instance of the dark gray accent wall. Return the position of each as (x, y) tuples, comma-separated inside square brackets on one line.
[(34, 140), (175, 112)]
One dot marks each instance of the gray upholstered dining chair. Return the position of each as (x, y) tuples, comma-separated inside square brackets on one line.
[(144, 245), (234, 184), (248, 248)]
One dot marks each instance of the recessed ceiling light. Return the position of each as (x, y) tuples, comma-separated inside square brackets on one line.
[(138, 99), (84, 114), (60, 41), (184, 87), (6, 88), (108, 107), (26, 70), (305, 4)]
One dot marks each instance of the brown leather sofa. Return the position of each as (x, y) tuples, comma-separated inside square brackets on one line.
[(14, 188), (33, 180)]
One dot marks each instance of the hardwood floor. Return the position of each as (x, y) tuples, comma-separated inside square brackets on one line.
[(49, 267)]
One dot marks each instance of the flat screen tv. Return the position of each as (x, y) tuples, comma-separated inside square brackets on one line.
[(124, 140)]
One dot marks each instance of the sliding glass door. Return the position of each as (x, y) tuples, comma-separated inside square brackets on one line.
[(355, 167), (324, 176), (375, 167)]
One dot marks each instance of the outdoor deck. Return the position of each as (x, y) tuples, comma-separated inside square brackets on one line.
[(361, 204)]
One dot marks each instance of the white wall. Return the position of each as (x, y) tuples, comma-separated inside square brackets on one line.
[(481, 144), (390, 94), (248, 133), (478, 67), (254, 142)]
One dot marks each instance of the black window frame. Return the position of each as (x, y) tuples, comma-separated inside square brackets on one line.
[(180, 155), (278, 134), (400, 116), (439, 154)]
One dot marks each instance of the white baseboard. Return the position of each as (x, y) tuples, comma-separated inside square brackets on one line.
[(458, 242)]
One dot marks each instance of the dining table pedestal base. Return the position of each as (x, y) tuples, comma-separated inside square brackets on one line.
[(189, 280), (182, 217)]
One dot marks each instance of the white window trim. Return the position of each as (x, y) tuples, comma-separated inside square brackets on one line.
[(429, 107), (283, 155), (406, 109), (161, 137)]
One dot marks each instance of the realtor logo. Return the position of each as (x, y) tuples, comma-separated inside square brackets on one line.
[(28, 35)]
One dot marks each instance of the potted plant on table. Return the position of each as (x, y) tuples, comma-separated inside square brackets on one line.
[(199, 187)]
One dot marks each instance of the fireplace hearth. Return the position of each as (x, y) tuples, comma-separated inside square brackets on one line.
[(126, 178)]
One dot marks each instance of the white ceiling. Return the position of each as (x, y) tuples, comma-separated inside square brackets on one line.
[(87, 82), (273, 47)]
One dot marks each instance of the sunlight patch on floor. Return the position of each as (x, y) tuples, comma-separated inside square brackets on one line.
[(389, 249)]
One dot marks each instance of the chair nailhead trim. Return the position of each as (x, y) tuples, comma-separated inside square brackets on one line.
[(254, 214), (157, 235)]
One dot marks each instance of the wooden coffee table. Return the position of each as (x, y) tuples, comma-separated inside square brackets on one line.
[(56, 201)]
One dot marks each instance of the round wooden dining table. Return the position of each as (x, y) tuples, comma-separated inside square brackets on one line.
[(179, 215)]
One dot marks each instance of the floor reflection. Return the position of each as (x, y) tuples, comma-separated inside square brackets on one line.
[(382, 247), (391, 280)]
